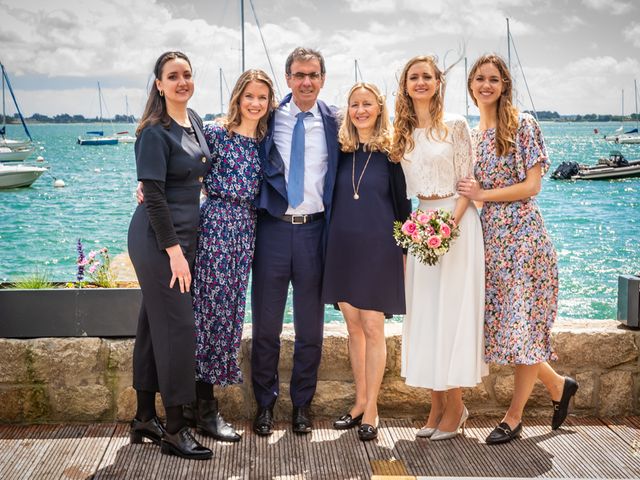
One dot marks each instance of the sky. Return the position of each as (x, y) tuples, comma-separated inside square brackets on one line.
[(577, 55)]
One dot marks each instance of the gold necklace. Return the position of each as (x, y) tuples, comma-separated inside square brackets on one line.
[(356, 188)]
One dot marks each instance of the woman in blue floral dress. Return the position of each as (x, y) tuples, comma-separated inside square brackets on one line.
[(521, 267), (226, 240)]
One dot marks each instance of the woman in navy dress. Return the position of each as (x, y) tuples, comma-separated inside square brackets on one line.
[(364, 266), (171, 159), (226, 243)]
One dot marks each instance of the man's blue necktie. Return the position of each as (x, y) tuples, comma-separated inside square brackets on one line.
[(295, 187)]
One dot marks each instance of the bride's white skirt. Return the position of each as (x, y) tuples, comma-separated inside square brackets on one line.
[(442, 335)]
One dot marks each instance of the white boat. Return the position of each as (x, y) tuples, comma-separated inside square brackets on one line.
[(15, 176), (631, 137), (125, 137), (17, 154), (97, 137), (613, 167), (12, 150)]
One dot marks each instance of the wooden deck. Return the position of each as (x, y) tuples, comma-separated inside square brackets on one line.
[(584, 448)]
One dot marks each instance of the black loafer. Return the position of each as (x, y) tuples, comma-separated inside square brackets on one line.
[(151, 429), (263, 423), (301, 420), (503, 434), (561, 408), (347, 421), (184, 445), (367, 432)]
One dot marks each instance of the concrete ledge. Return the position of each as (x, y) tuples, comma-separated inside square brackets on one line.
[(89, 379)]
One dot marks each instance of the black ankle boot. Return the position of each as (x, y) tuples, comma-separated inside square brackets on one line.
[(210, 422), (189, 412)]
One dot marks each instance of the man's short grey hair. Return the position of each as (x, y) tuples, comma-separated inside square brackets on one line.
[(302, 54)]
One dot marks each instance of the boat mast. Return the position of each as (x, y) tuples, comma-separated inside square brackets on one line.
[(242, 29), (221, 102), (466, 91), (635, 90), (4, 118), (508, 45), (622, 117), (355, 68), (100, 101)]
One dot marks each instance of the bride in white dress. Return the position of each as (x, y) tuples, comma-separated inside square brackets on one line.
[(442, 338)]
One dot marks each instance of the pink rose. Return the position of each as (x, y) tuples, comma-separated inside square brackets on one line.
[(415, 236), (409, 228), (413, 215), (433, 241), (429, 230), (423, 218), (445, 230)]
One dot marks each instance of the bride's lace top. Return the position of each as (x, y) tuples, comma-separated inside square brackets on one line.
[(434, 167)]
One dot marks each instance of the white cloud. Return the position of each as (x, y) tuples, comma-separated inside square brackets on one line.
[(615, 7), (632, 34), (571, 23)]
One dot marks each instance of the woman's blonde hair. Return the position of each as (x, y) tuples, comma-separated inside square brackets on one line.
[(406, 121), (234, 118), (380, 140), (507, 122)]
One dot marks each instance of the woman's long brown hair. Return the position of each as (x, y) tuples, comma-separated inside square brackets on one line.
[(507, 114), (233, 118), (406, 121), (155, 111)]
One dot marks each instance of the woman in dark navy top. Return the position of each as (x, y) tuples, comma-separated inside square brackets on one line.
[(364, 266), (172, 159)]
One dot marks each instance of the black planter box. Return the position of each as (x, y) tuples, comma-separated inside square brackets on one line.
[(69, 312)]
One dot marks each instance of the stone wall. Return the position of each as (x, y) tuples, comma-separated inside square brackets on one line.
[(89, 379)]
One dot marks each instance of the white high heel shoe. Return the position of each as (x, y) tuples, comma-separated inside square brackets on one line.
[(426, 432), (440, 435)]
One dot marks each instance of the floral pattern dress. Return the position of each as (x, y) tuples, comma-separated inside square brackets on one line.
[(521, 266), (226, 240)]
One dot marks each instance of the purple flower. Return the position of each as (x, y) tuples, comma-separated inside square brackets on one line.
[(81, 261)]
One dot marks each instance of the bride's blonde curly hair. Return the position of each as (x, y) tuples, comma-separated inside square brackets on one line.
[(405, 119)]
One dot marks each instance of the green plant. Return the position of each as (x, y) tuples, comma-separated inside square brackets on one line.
[(96, 265), (36, 280)]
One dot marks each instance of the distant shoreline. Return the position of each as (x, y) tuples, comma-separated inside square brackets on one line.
[(545, 116)]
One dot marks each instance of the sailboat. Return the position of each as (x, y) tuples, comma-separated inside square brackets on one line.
[(126, 137), (12, 150), (631, 136), (96, 137)]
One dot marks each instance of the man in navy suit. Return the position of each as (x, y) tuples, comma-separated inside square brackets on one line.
[(300, 156)]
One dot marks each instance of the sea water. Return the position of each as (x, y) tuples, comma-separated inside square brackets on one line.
[(595, 225)]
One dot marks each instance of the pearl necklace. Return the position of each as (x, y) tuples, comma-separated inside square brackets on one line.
[(356, 188)]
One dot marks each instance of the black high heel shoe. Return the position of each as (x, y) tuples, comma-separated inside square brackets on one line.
[(561, 408), (346, 421), (503, 434), (151, 429)]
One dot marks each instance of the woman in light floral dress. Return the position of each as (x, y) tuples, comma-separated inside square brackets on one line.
[(521, 266)]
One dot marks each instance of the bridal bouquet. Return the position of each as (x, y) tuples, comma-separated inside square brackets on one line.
[(427, 235)]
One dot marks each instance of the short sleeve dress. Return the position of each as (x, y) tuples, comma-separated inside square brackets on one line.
[(226, 240), (521, 266)]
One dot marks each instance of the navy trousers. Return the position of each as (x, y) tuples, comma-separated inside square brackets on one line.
[(284, 254)]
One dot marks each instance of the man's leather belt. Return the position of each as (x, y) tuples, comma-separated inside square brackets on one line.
[(301, 219)]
